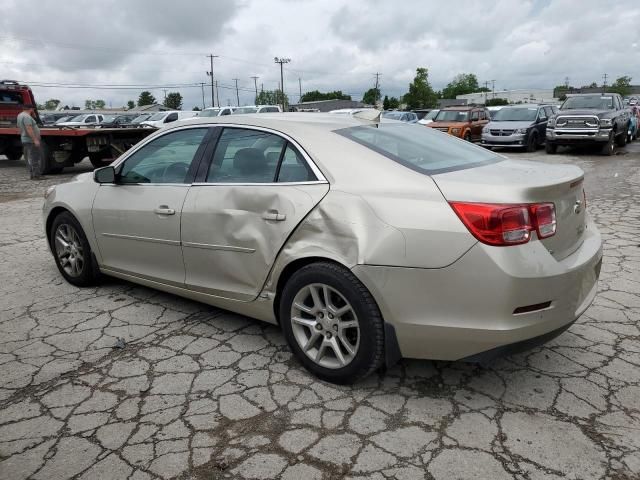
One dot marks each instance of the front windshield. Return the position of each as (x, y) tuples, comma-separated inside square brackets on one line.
[(431, 115), (77, 118), (421, 149), (141, 118), (157, 116), (392, 115), (245, 110), (597, 102), (451, 116), (517, 114), (210, 112)]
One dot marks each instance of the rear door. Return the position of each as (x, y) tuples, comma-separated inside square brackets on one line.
[(257, 188)]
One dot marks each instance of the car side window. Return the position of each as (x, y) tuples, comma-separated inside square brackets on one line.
[(90, 119), (226, 111), (542, 116), (172, 117), (246, 156), (294, 168), (475, 116), (165, 159)]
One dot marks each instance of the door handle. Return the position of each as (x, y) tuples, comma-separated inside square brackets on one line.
[(164, 210), (274, 216)]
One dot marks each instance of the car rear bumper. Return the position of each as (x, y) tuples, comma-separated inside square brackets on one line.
[(469, 307)]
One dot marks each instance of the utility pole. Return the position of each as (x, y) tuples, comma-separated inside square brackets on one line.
[(486, 87), (165, 94), (604, 83), (202, 87), (255, 84), (282, 61), (210, 75), (566, 82), (493, 88), (237, 96), (217, 97), (300, 86), (377, 87)]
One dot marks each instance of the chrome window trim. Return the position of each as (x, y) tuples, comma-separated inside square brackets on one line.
[(314, 168), (263, 184)]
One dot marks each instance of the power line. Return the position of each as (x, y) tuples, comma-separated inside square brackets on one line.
[(210, 74), (282, 61), (237, 95), (255, 83)]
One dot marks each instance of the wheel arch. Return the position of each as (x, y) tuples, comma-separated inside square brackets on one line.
[(51, 216)]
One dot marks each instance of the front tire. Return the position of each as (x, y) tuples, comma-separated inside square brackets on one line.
[(72, 251), (332, 323), (467, 137), (609, 147), (551, 148), (13, 153), (532, 144)]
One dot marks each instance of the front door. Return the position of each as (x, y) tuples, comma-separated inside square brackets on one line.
[(258, 188), (137, 219)]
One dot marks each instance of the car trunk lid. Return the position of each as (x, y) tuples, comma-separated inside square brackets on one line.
[(519, 182)]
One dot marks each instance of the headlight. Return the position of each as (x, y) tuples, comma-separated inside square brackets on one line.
[(49, 191), (455, 131), (518, 131), (551, 122), (485, 130), (605, 122)]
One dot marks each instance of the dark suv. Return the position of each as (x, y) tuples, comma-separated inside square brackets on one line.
[(520, 126), (589, 119)]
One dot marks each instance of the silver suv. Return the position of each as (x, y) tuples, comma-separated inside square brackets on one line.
[(521, 126)]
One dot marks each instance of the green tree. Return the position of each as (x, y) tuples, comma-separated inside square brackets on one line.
[(385, 103), (271, 97), (316, 96), (131, 104), (492, 102), (196, 109), (420, 94), (99, 104), (146, 99), (462, 84), (622, 86), (89, 104), (394, 103), (173, 101), (371, 96), (51, 104)]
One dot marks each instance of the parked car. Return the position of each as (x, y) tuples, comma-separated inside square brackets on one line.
[(633, 101), (634, 124), (589, 119), (141, 118), (158, 120), (462, 121), (391, 241), (520, 126), (408, 117), (84, 120), (257, 109), (66, 118), (216, 112), (115, 121), (428, 118)]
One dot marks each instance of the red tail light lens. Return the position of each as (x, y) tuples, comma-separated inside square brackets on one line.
[(502, 225)]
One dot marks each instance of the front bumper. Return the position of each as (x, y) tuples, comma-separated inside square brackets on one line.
[(574, 136), (468, 308), (506, 141)]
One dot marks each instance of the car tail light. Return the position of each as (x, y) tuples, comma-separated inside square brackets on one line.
[(504, 224)]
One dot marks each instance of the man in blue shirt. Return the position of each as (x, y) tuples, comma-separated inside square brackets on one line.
[(30, 138)]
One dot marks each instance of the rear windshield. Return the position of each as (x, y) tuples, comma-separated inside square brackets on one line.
[(11, 97), (421, 149)]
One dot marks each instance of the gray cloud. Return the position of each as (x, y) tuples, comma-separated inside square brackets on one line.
[(333, 44)]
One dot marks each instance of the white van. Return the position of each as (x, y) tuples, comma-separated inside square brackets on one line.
[(158, 119), (216, 112)]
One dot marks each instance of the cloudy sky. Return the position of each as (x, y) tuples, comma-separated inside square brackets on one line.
[(126, 46)]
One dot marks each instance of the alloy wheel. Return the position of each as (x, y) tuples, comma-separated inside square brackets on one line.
[(69, 250), (325, 326)]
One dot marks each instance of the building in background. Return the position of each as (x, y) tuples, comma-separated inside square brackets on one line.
[(521, 95), (325, 105)]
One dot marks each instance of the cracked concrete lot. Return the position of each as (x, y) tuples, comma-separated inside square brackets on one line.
[(199, 393)]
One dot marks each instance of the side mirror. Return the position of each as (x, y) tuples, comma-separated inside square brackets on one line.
[(105, 175)]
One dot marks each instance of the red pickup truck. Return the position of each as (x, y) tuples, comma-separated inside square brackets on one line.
[(62, 146)]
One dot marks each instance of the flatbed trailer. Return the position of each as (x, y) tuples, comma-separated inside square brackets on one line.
[(66, 146)]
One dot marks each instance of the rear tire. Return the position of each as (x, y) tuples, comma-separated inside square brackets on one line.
[(72, 252), (551, 148), (13, 153), (48, 164), (98, 161), (333, 309), (467, 137)]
